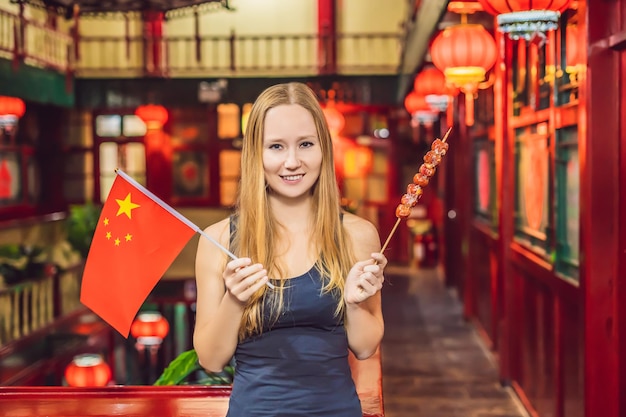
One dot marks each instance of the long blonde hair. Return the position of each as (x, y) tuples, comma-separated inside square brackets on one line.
[(257, 228)]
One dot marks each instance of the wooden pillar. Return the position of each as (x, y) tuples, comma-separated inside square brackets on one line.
[(327, 30), (603, 272), (505, 189)]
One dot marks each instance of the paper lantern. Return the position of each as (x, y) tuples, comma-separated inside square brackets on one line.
[(153, 116), (335, 119), (464, 53), (149, 328), (12, 106), (525, 19), (431, 84), (88, 370), (11, 109), (419, 109)]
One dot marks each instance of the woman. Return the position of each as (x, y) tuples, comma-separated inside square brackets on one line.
[(306, 285)]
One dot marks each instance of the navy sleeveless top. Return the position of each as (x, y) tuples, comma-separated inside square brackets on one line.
[(298, 365)]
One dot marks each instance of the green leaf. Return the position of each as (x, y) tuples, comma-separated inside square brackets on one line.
[(179, 369)]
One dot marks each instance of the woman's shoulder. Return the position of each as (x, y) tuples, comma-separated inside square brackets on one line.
[(361, 230), (220, 231)]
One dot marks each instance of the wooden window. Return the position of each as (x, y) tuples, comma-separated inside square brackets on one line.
[(532, 202), (567, 202)]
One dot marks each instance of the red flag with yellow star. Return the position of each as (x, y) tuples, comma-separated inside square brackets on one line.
[(137, 238)]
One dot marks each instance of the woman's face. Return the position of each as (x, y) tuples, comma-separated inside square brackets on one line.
[(292, 156)]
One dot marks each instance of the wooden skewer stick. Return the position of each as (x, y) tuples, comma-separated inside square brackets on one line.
[(395, 226)]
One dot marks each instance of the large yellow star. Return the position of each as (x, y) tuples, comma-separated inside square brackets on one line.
[(126, 206)]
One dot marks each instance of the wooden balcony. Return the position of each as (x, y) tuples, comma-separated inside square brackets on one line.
[(28, 41)]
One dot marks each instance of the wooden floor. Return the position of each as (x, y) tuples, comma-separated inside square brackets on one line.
[(434, 363)]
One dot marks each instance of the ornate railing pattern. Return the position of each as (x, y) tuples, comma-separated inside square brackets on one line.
[(34, 304), (119, 55), (32, 42)]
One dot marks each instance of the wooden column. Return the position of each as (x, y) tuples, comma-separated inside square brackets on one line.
[(602, 179), (327, 30)]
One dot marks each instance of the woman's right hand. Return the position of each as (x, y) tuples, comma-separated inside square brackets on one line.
[(243, 279)]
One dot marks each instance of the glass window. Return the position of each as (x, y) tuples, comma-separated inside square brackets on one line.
[(130, 157), (133, 126), (230, 172), (568, 202), (228, 121), (532, 180), (109, 125), (10, 179), (485, 180)]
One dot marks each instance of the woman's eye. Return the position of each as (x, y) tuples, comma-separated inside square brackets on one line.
[(306, 144), (275, 146)]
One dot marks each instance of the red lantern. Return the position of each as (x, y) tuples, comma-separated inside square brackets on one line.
[(149, 328), (464, 53), (12, 106), (153, 116), (419, 109), (88, 370), (431, 83), (526, 19), (335, 119)]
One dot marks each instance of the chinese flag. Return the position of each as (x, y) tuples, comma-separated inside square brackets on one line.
[(137, 238)]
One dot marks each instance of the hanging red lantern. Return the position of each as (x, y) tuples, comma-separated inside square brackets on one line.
[(154, 116), (335, 119), (419, 109), (12, 106), (464, 53), (430, 80), (431, 84), (149, 328), (88, 370), (526, 19)]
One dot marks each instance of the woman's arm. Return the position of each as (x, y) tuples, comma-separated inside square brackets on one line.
[(222, 293), (364, 318)]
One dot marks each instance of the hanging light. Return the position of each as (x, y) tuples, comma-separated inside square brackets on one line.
[(11, 109), (464, 52), (419, 109), (154, 116), (88, 370), (526, 19), (149, 328), (335, 119), (431, 84)]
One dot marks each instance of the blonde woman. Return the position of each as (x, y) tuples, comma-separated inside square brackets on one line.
[(306, 286)]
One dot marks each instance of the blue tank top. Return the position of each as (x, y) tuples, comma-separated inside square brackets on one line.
[(298, 365)]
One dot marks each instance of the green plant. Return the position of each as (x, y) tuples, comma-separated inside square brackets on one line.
[(186, 365), (81, 225)]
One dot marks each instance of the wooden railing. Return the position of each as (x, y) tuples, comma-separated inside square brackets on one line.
[(33, 43), (24, 40), (233, 55), (35, 304)]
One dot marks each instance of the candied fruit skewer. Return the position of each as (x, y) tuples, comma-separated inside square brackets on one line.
[(432, 158)]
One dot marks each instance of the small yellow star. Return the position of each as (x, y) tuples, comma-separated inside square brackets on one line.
[(106, 221), (129, 237), (126, 206), (108, 235), (117, 241)]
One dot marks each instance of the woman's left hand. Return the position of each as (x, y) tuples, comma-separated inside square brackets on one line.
[(365, 279)]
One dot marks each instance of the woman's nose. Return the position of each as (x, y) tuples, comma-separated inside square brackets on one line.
[(292, 160)]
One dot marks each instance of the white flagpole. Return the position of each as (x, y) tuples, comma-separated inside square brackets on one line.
[(176, 214)]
